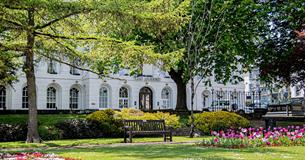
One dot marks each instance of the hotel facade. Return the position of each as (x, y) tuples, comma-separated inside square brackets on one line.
[(61, 87)]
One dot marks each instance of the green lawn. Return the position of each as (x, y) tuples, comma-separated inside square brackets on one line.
[(43, 119), (181, 152), (178, 151), (152, 151), (80, 142)]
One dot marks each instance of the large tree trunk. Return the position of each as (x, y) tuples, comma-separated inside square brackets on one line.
[(181, 89), (32, 135)]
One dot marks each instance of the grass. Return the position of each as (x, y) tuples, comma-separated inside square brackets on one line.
[(152, 151), (43, 119), (81, 142), (174, 151)]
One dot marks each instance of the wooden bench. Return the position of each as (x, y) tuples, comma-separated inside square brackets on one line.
[(283, 112), (146, 127)]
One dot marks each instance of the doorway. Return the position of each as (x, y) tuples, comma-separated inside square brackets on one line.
[(145, 98)]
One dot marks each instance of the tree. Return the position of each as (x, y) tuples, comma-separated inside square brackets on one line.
[(281, 59), (64, 30), (223, 29), (220, 42)]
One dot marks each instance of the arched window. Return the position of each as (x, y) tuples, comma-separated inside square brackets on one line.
[(74, 96), (2, 97), (166, 97), (25, 98), (103, 97), (123, 98), (51, 97)]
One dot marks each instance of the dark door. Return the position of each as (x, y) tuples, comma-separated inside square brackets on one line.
[(145, 99)]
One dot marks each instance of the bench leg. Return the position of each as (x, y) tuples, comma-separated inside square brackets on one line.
[(170, 136), (164, 137), (130, 137), (125, 137), (270, 123)]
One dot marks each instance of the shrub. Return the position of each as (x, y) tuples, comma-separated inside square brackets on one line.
[(13, 132), (130, 113), (49, 132), (79, 128), (220, 120), (108, 124)]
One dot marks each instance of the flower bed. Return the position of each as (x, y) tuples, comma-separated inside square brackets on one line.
[(31, 156), (257, 137)]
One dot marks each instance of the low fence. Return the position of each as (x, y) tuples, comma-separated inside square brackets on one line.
[(233, 101)]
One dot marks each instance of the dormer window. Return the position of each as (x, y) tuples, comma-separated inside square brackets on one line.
[(73, 70), (52, 69)]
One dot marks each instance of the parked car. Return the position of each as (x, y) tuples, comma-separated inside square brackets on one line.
[(258, 105)]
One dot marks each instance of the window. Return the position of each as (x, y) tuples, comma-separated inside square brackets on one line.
[(251, 86), (52, 67), (123, 98), (2, 97), (165, 96), (103, 97), (25, 98), (51, 97), (74, 98), (73, 70)]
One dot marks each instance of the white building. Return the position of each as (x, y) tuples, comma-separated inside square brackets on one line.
[(60, 87), (272, 93)]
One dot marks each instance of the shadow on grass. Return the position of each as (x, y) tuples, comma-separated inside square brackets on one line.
[(51, 144)]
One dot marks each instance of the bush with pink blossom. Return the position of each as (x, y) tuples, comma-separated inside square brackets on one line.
[(257, 137)]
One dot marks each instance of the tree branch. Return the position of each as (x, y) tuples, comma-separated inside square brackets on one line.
[(81, 68), (11, 22), (15, 48), (15, 7), (77, 38), (58, 19), (64, 37)]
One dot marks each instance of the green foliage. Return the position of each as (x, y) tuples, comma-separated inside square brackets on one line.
[(107, 121), (49, 132), (44, 119), (47, 125), (130, 113), (8, 68), (220, 38), (220, 120), (281, 58), (96, 32), (102, 116), (12, 132), (80, 128)]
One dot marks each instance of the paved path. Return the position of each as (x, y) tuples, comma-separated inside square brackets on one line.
[(97, 146)]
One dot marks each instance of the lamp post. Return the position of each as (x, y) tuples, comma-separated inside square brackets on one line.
[(205, 95)]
